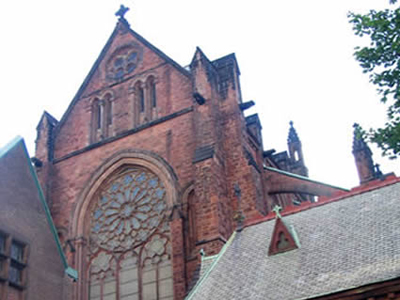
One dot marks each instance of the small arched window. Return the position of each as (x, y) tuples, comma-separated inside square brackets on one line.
[(98, 114), (108, 109), (101, 118), (151, 88), (140, 96)]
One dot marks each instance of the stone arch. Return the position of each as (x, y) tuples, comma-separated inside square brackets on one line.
[(101, 107), (111, 169), (145, 159), (138, 102), (190, 222)]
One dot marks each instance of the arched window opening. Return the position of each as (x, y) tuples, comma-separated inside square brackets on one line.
[(141, 99), (129, 244), (97, 120), (99, 115), (191, 222), (151, 87), (108, 109), (296, 155)]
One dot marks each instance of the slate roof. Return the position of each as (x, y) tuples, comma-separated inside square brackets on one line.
[(344, 244)]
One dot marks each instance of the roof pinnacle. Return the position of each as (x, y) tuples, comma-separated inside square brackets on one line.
[(358, 138), (293, 137)]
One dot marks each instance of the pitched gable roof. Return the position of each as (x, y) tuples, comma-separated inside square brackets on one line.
[(344, 244), (282, 238), (124, 24), (18, 145)]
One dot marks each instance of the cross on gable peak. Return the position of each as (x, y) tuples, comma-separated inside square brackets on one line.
[(277, 210), (122, 11)]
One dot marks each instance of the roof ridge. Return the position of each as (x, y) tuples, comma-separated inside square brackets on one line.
[(303, 177), (210, 268), (323, 201)]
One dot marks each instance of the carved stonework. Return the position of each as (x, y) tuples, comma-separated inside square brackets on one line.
[(123, 61)]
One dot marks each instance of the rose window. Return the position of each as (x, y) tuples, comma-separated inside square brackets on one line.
[(129, 211)]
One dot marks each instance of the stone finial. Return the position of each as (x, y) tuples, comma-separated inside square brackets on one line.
[(122, 11), (293, 137)]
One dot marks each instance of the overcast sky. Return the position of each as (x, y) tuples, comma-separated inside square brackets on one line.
[(296, 62)]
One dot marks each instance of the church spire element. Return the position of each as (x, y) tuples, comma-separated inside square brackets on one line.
[(293, 137), (363, 156), (296, 153)]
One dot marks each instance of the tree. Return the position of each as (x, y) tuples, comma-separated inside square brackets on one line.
[(381, 60)]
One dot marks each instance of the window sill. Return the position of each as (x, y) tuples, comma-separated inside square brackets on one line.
[(16, 285)]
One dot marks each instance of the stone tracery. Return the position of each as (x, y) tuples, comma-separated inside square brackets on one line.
[(129, 229)]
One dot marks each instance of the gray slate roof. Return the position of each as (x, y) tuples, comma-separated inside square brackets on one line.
[(344, 244)]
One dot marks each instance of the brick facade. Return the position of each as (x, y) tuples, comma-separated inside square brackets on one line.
[(196, 138), (23, 223)]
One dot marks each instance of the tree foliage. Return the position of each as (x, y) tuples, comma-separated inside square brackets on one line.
[(381, 60)]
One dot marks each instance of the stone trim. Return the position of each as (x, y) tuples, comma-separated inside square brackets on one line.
[(124, 134)]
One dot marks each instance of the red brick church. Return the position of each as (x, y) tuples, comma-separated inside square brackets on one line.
[(153, 164)]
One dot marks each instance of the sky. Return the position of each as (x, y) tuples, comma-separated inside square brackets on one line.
[(295, 57)]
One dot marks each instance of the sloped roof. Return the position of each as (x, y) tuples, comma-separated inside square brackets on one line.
[(18, 144), (344, 244)]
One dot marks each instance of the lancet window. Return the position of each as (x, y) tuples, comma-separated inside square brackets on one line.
[(151, 91), (102, 118), (145, 101), (130, 250)]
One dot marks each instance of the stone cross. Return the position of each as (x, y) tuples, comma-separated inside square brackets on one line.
[(122, 11), (276, 210)]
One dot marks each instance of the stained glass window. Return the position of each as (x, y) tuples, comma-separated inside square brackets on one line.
[(129, 229)]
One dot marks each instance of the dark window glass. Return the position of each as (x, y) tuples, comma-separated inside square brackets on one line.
[(119, 73), (141, 99), (109, 113), (14, 274), (17, 252), (119, 62), (98, 115), (2, 243), (153, 94), (130, 67), (2, 264), (132, 56)]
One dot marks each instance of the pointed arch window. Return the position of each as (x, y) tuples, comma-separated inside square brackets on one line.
[(190, 223), (108, 109), (141, 99), (130, 248), (98, 114), (151, 88), (102, 118)]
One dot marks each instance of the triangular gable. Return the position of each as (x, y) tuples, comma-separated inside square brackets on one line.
[(50, 119), (18, 144), (123, 26), (282, 239)]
